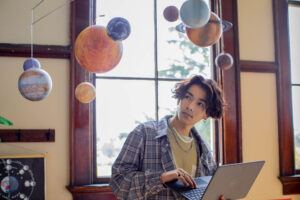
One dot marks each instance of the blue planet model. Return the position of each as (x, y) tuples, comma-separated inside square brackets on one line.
[(118, 28), (194, 13), (31, 63)]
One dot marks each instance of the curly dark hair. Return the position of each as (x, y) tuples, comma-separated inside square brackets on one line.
[(214, 99)]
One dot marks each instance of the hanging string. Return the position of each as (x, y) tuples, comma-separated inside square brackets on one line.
[(69, 1), (39, 19), (31, 35), (221, 17), (31, 28)]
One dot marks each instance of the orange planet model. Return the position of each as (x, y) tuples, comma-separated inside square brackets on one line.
[(85, 92), (96, 51), (207, 35)]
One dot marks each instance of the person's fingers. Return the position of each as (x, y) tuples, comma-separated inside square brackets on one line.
[(185, 183), (190, 180), (222, 197), (187, 178)]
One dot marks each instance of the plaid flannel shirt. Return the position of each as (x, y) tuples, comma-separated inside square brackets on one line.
[(146, 154)]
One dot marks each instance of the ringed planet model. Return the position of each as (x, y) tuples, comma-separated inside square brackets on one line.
[(203, 27)]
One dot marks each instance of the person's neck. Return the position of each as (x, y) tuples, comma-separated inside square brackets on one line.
[(181, 128)]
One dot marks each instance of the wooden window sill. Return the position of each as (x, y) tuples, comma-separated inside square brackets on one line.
[(92, 192), (290, 184)]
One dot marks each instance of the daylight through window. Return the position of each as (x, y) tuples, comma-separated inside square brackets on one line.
[(138, 89)]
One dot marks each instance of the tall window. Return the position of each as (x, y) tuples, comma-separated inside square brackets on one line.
[(286, 41), (155, 57), (83, 169), (294, 32)]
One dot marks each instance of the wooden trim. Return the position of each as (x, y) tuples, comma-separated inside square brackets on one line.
[(291, 183), (94, 188), (283, 84), (39, 51), (22, 156), (232, 135), (294, 2), (80, 130), (258, 66), (92, 192), (27, 135)]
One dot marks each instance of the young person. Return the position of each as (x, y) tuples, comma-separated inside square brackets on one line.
[(157, 152)]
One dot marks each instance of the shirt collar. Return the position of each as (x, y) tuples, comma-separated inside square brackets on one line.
[(162, 127)]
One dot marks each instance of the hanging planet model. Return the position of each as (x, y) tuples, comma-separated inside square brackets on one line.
[(85, 92), (194, 13), (171, 13), (224, 61), (118, 28), (207, 35), (31, 63), (35, 84), (96, 51)]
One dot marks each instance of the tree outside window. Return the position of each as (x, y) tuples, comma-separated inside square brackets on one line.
[(155, 57)]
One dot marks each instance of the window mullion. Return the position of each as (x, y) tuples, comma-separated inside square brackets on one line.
[(155, 60)]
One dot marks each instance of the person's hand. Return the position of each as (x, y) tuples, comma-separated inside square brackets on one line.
[(179, 174), (222, 197)]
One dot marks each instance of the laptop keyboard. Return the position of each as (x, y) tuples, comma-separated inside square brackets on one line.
[(197, 193), (187, 192), (194, 194)]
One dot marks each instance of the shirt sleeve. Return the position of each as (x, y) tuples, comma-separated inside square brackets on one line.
[(128, 181)]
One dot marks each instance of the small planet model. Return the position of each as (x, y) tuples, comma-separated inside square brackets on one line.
[(118, 28), (35, 84), (224, 61), (207, 35), (96, 51), (85, 92), (171, 13), (31, 63), (194, 13)]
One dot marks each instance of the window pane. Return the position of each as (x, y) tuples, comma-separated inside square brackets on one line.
[(168, 105), (120, 107), (296, 119), (138, 48), (177, 56), (294, 23)]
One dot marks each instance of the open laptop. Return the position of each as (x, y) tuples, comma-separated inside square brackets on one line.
[(233, 181)]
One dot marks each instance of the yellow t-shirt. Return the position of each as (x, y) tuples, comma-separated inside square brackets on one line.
[(187, 160)]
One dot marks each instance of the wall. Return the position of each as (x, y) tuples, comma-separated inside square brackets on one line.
[(259, 111), (258, 98), (52, 112)]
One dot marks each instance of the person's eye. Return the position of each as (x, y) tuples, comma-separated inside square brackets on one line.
[(201, 105), (187, 97)]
